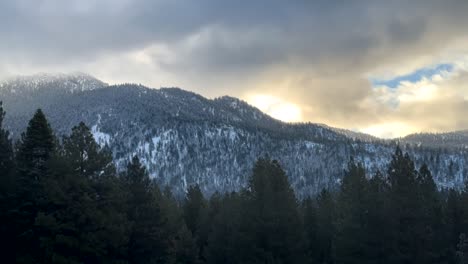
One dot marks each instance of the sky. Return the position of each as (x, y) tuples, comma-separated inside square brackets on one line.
[(387, 68)]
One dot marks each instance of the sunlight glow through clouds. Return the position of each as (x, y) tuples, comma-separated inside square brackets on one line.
[(389, 130), (276, 107)]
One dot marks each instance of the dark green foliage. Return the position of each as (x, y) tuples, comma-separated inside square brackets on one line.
[(462, 250), (6, 151), (7, 190), (85, 157), (404, 208), (272, 219), (378, 235), (352, 219), (195, 213), (36, 148), (430, 223), (82, 219), (225, 239), (182, 245), (194, 209), (148, 242), (326, 212), (64, 202), (309, 209)]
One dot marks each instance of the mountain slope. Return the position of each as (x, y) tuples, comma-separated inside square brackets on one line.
[(184, 138), (457, 139)]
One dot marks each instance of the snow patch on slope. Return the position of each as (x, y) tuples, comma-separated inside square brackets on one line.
[(101, 138)]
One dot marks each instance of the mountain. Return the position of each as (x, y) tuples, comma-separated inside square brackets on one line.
[(457, 139), (71, 83), (184, 138)]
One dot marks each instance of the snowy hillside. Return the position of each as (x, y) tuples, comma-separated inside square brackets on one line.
[(184, 138)]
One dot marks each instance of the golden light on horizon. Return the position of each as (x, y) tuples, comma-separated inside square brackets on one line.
[(276, 107), (390, 130)]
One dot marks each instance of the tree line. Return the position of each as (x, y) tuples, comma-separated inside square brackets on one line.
[(63, 201)]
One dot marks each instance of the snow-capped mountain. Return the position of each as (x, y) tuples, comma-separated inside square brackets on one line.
[(184, 138), (72, 83)]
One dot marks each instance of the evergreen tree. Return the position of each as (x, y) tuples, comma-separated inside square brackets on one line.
[(36, 147), (82, 218), (6, 154), (454, 217), (35, 150), (462, 250), (326, 212), (183, 248), (352, 217), (7, 189), (85, 156), (379, 236), (309, 208), (194, 210), (431, 219), (66, 204), (225, 240), (273, 217), (149, 242), (404, 209)]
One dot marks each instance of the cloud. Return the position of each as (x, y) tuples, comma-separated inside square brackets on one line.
[(432, 104), (321, 56)]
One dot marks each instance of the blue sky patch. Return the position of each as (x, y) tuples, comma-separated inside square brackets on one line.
[(414, 76)]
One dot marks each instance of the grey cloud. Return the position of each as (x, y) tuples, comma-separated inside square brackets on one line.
[(321, 49)]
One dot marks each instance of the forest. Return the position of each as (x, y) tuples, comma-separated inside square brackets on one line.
[(63, 201)]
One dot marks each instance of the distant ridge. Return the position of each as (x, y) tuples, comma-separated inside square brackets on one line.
[(184, 138)]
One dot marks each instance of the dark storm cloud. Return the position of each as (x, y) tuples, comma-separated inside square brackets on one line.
[(69, 28)]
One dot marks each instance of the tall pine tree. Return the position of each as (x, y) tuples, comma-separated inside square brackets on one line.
[(85, 156), (352, 218), (82, 219), (36, 148), (326, 212), (149, 240), (273, 217), (7, 189), (405, 209)]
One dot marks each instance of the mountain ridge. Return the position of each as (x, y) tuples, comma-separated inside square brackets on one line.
[(184, 138)]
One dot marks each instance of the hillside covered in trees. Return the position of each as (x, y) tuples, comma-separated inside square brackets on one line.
[(185, 139), (62, 201)]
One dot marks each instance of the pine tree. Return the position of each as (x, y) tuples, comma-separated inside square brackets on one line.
[(224, 242), (85, 156), (404, 209), (462, 250), (431, 219), (182, 246), (273, 217), (310, 216), (352, 217), (149, 240), (195, 212), (379, 236), (36, 148), (194, 208), (6, 153), (7, 189), (454, 217), (82, 219), (326, 211)]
